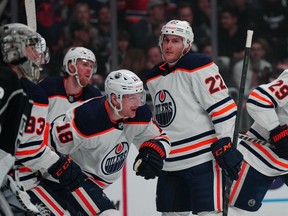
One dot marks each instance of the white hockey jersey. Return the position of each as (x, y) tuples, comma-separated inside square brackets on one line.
[(99, 145), (33, 154), (191, 103), (268, 106), (59, 101)]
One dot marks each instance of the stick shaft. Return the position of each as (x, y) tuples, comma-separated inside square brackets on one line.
[(229, 182), (30, 9)]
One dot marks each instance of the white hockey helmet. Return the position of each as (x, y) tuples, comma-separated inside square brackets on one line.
[(14, 38), (75, 53), (179, 28), (122, 82)]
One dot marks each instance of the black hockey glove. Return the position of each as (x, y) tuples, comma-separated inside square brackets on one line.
[(227, 157), (149, 161), (68, 173), (279, 139)]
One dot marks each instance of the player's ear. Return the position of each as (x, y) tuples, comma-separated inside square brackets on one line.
[(115, 100), (186, 50), (71, 67)]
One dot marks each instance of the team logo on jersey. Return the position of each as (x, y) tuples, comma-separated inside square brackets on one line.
[(115, 159), (164, 109)]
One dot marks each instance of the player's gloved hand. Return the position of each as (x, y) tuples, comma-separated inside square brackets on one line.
[(227, 156), (149, 161), (68, 173), (279, 139)]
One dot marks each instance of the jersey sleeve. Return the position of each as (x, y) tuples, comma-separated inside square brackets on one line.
[(15, 108), (33, 151), (264, 101), (212, 93)]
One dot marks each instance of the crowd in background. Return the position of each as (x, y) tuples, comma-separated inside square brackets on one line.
[(67, 23)]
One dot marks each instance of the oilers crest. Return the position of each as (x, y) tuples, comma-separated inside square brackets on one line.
[(164, 108), (115, 159)]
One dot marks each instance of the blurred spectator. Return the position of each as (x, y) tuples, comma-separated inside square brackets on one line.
[(203, 13), (123, 45), (104, 42), (81, 14), (154, 56), (80, 37), (248, 13), (201, 32), (231, 38), (274, 27), (135, 61), (49, 24), (224, 64), (146, 31), (136, 10), (259, 69)]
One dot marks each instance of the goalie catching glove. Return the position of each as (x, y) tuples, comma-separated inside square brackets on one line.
[(279, 139), (227, 157), (149, 161), (68, 173)]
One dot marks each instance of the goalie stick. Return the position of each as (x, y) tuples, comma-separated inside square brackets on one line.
[(229, 182), (30, 9)]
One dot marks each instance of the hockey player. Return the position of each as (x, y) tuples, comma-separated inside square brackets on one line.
[(24, 51), (268, 106), (192, 104), (98, 134), (65, 92), (15, 108)]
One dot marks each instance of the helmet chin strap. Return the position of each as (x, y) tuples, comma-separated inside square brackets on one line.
[(116, 111), (77, 77)]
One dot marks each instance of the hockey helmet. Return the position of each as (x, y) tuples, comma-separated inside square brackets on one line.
[(179, 28), (121, 82), (14, 39), (75, 53)]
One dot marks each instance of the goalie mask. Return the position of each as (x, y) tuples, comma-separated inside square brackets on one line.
[(22, 46), (79, 53), (178, 28), (122, 82)]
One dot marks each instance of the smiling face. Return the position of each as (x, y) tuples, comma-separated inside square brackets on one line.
[(130, 103), (172, 47)]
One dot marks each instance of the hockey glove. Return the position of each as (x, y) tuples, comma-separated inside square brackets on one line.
[(279, 139), (68, 173), (227, 157), (149, 161)]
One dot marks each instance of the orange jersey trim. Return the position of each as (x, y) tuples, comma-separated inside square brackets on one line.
[(30, 152), (194, 146), (261, 98), (225, 109)]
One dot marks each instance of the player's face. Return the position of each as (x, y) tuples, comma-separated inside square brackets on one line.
[(85, 70), (33, 54), (130, 103), (172, 47)]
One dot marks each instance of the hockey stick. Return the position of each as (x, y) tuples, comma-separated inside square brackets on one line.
[(253, 139), (229, 182), (30, 9)]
